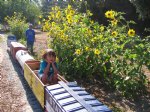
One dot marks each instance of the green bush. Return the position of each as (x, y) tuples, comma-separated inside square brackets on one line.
[(113, 54), (17, 24), (22, 41), (28, 8)]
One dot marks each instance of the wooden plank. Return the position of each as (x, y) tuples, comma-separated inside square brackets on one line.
[(38, 89), (34, 65), (81, 93), (77, 88), (64, 101), (16, 44), (79, 99), (54, 87), (58, 91), (62, 96), (73, 107), (28, 74), (81, 110), (60, 78)]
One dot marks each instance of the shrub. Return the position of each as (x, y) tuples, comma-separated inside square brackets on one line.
[(113, 54), (22, 41), (17, 25)]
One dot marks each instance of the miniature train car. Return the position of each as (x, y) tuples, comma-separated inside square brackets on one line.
[(62, 97), (11, 38)]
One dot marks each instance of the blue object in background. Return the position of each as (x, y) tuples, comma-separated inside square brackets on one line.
[(11, 38)]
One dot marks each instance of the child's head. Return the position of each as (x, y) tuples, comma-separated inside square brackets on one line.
[(30, 26), (49, 55)]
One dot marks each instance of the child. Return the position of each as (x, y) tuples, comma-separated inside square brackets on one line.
[(48, 67), (30, 36)]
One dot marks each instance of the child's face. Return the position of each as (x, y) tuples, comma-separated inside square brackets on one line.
[(50, 58)]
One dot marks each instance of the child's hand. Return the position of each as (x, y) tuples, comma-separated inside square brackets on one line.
[(53, 62), (49, 62)]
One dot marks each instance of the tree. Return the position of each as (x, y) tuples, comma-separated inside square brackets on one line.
[(136, 10), (48, 4), (142, 7), (28, 8)]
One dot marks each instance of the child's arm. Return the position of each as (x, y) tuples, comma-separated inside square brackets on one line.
[(55, 76), (46, 70), (55, 69)]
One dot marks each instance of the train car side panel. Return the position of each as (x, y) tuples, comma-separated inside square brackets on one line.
[(14, 47), (38, 89), (28, 74)]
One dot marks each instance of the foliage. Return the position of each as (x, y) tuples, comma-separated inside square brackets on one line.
[(142, 7), (28, 8), (113, 54), (47, 4), (23, 41), (17, 24), (137, 10)]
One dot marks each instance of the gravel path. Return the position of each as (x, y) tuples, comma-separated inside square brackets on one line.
[(15, 94)]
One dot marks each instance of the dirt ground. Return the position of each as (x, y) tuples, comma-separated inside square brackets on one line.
[(40, 43)]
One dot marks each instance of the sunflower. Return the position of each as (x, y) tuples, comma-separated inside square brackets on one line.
[(93, 39), (89, 13), (43, 20), (39, 22), (40, 16), (53, 23), (66, 11), (69, 17), (89, 31), (78, 51), (114, 22), (91, 22), (66, 38), (62, 37), (58, 14), (110, 14), (114, 34), (72, 12), (69, 7), (131, 32), (96, 51), (102, 28), (70, 21), (53, 8), (87, 48), (53, 16)]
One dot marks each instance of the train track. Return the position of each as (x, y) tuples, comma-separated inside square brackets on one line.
[(13, 69)]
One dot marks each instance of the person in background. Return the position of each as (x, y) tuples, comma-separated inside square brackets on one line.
[(48, 67), (30, 37)]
